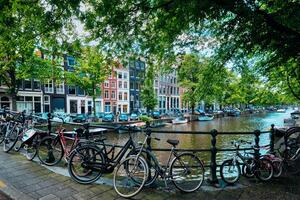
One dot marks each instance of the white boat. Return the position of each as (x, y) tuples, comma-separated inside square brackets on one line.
[(179, 120), (281, 110), (205, 117)]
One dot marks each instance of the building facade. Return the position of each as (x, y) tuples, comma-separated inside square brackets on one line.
[(137, 70), (168, 92), (109, 93), (122, 75)]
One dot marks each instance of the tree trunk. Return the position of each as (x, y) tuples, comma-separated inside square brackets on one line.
[(14, 101), (94, 105)]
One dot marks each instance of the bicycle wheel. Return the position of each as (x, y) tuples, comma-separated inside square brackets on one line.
[(292, 167), (151, 162), (293, 142), (10, 140), (127, 173), (246, 168), (277, 167), (50, 150), (230, 171), (187, 172), (31, 148), (264, 169), (80, 164), (2, 132)]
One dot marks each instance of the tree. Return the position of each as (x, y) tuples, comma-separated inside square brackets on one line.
[(148, 95), (90, 72), (23, 26), (188, 77), (236, 29)]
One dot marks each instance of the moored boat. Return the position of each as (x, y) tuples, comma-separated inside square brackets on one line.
[(281, 110), (179, 120), (206, 117)]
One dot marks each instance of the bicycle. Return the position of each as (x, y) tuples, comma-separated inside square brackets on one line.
[(185, 170), (53, 148), (130, 173), (13, 130), (259, 167)]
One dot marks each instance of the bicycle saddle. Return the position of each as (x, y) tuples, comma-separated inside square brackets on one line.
[(173, 142)]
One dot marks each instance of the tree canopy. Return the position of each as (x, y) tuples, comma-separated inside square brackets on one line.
[(266, 31)]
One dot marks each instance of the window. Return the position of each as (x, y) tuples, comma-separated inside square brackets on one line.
[(125, 75), (49, 87), (131, 85), (107, 107), (27, 84), (120, 84), (82, 106), (113, 84), (120, 95), (36, 85), (60, 89), (106, 84), (72, 90), (120, 75), (113, 94), (125, 108), (125, 96), (80, 92), (46, 104), (125, 84), (73, 106), (71, 61), (106, 95)]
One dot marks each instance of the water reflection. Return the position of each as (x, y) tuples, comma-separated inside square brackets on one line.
[(191, 141)]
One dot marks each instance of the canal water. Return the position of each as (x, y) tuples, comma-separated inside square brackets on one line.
[(260, 121)]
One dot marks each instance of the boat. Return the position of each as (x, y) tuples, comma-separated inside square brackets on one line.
[(206, 117), (179, 120), (281, 110), (135, 127)]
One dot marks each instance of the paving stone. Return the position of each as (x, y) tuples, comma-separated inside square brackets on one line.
[(49, 197)]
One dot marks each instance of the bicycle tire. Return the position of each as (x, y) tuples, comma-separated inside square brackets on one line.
[(2, 132), (264, 165), (246, 169), (31, 148), (187, 176), (277, 167), (10, 140), (45, 151), (293, 142), (224, 172), (81, 156), (151, 162), (123, 179)]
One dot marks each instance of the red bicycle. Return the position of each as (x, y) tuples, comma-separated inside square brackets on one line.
[(53, 148)]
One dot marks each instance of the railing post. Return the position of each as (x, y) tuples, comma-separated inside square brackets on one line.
[(213, 162), (148, 132), (256, 150), (272, 138), (148, 156), (49, 122)]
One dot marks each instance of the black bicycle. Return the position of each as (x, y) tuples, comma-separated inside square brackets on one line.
[(87, 164), (185, 170), (260, 167)]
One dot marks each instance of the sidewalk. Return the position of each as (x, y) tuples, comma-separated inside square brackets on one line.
[(22, 179)]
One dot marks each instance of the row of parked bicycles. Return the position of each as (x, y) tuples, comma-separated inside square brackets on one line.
[(133, 165)]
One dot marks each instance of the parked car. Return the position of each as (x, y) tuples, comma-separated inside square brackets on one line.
[(80, 118), (123, 117), (109, 117), (99, 114), (134, 117), (156, 115)]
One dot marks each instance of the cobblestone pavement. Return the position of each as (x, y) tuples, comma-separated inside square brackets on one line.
[(21, 179)]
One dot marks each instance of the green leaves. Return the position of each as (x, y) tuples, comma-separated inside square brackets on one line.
[(148, 96)]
